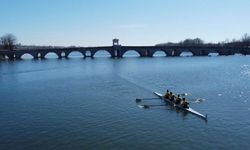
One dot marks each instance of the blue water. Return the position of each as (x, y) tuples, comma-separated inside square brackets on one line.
[(90, 103)]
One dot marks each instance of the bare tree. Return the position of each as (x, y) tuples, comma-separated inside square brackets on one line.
[(243, 42), (245, 37), (198, 41), (191, 42), (8, 41)]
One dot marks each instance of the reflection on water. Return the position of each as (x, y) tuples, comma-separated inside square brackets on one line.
[(90, 103)]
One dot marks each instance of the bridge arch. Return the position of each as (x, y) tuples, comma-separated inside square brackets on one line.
[(51, 55), (75, 54), (131, 53), (160, 53), (186, 53), (27, 56), (101, 52), (213, 53)]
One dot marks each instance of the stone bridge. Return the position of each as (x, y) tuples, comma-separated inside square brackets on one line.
[(118, 51)]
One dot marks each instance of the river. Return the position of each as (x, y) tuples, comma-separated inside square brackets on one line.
[(90, 103)]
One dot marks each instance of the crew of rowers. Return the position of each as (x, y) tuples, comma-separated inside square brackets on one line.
[(176, 99)]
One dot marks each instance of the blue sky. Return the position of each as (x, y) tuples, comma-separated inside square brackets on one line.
[(134, 22)]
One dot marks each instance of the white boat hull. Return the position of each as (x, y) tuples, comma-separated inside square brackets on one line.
[(190, 110)]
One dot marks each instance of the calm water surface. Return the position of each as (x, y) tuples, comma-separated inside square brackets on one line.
[(90, 103)]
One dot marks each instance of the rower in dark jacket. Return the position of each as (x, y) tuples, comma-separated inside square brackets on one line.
[(167, 95), (184, 103), (178, 99), (171, 98)]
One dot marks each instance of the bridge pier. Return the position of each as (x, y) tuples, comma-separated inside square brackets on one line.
[(118, 53), (112, 52), (150, 53), (143, 53), (176, 53), (115, 51), (11, 56), (204, 53), (199, 52), (223, 52), (92, 53), (60, 56), (18, 56), (2, 57), (196, 52), (169, 52), (42, 55)]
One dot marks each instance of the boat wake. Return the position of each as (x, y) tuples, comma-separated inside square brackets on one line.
[(199, 100), (140, 106), (185, 94), (134, 83)]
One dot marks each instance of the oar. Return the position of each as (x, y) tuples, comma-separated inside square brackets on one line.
[(184, 94), (193, 100), (141, 99), (148, 106)]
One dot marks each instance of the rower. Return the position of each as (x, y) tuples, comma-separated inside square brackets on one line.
[(178, 99), (171, 97), (167, 94), (184, 103)]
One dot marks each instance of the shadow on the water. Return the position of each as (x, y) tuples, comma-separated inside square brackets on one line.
[(177, 110), (183, 113), (169, 107)]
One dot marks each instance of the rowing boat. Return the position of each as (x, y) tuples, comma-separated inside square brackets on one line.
[(190, 110)]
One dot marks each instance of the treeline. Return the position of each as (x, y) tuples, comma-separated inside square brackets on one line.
[(243, 42), (8, 41)]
